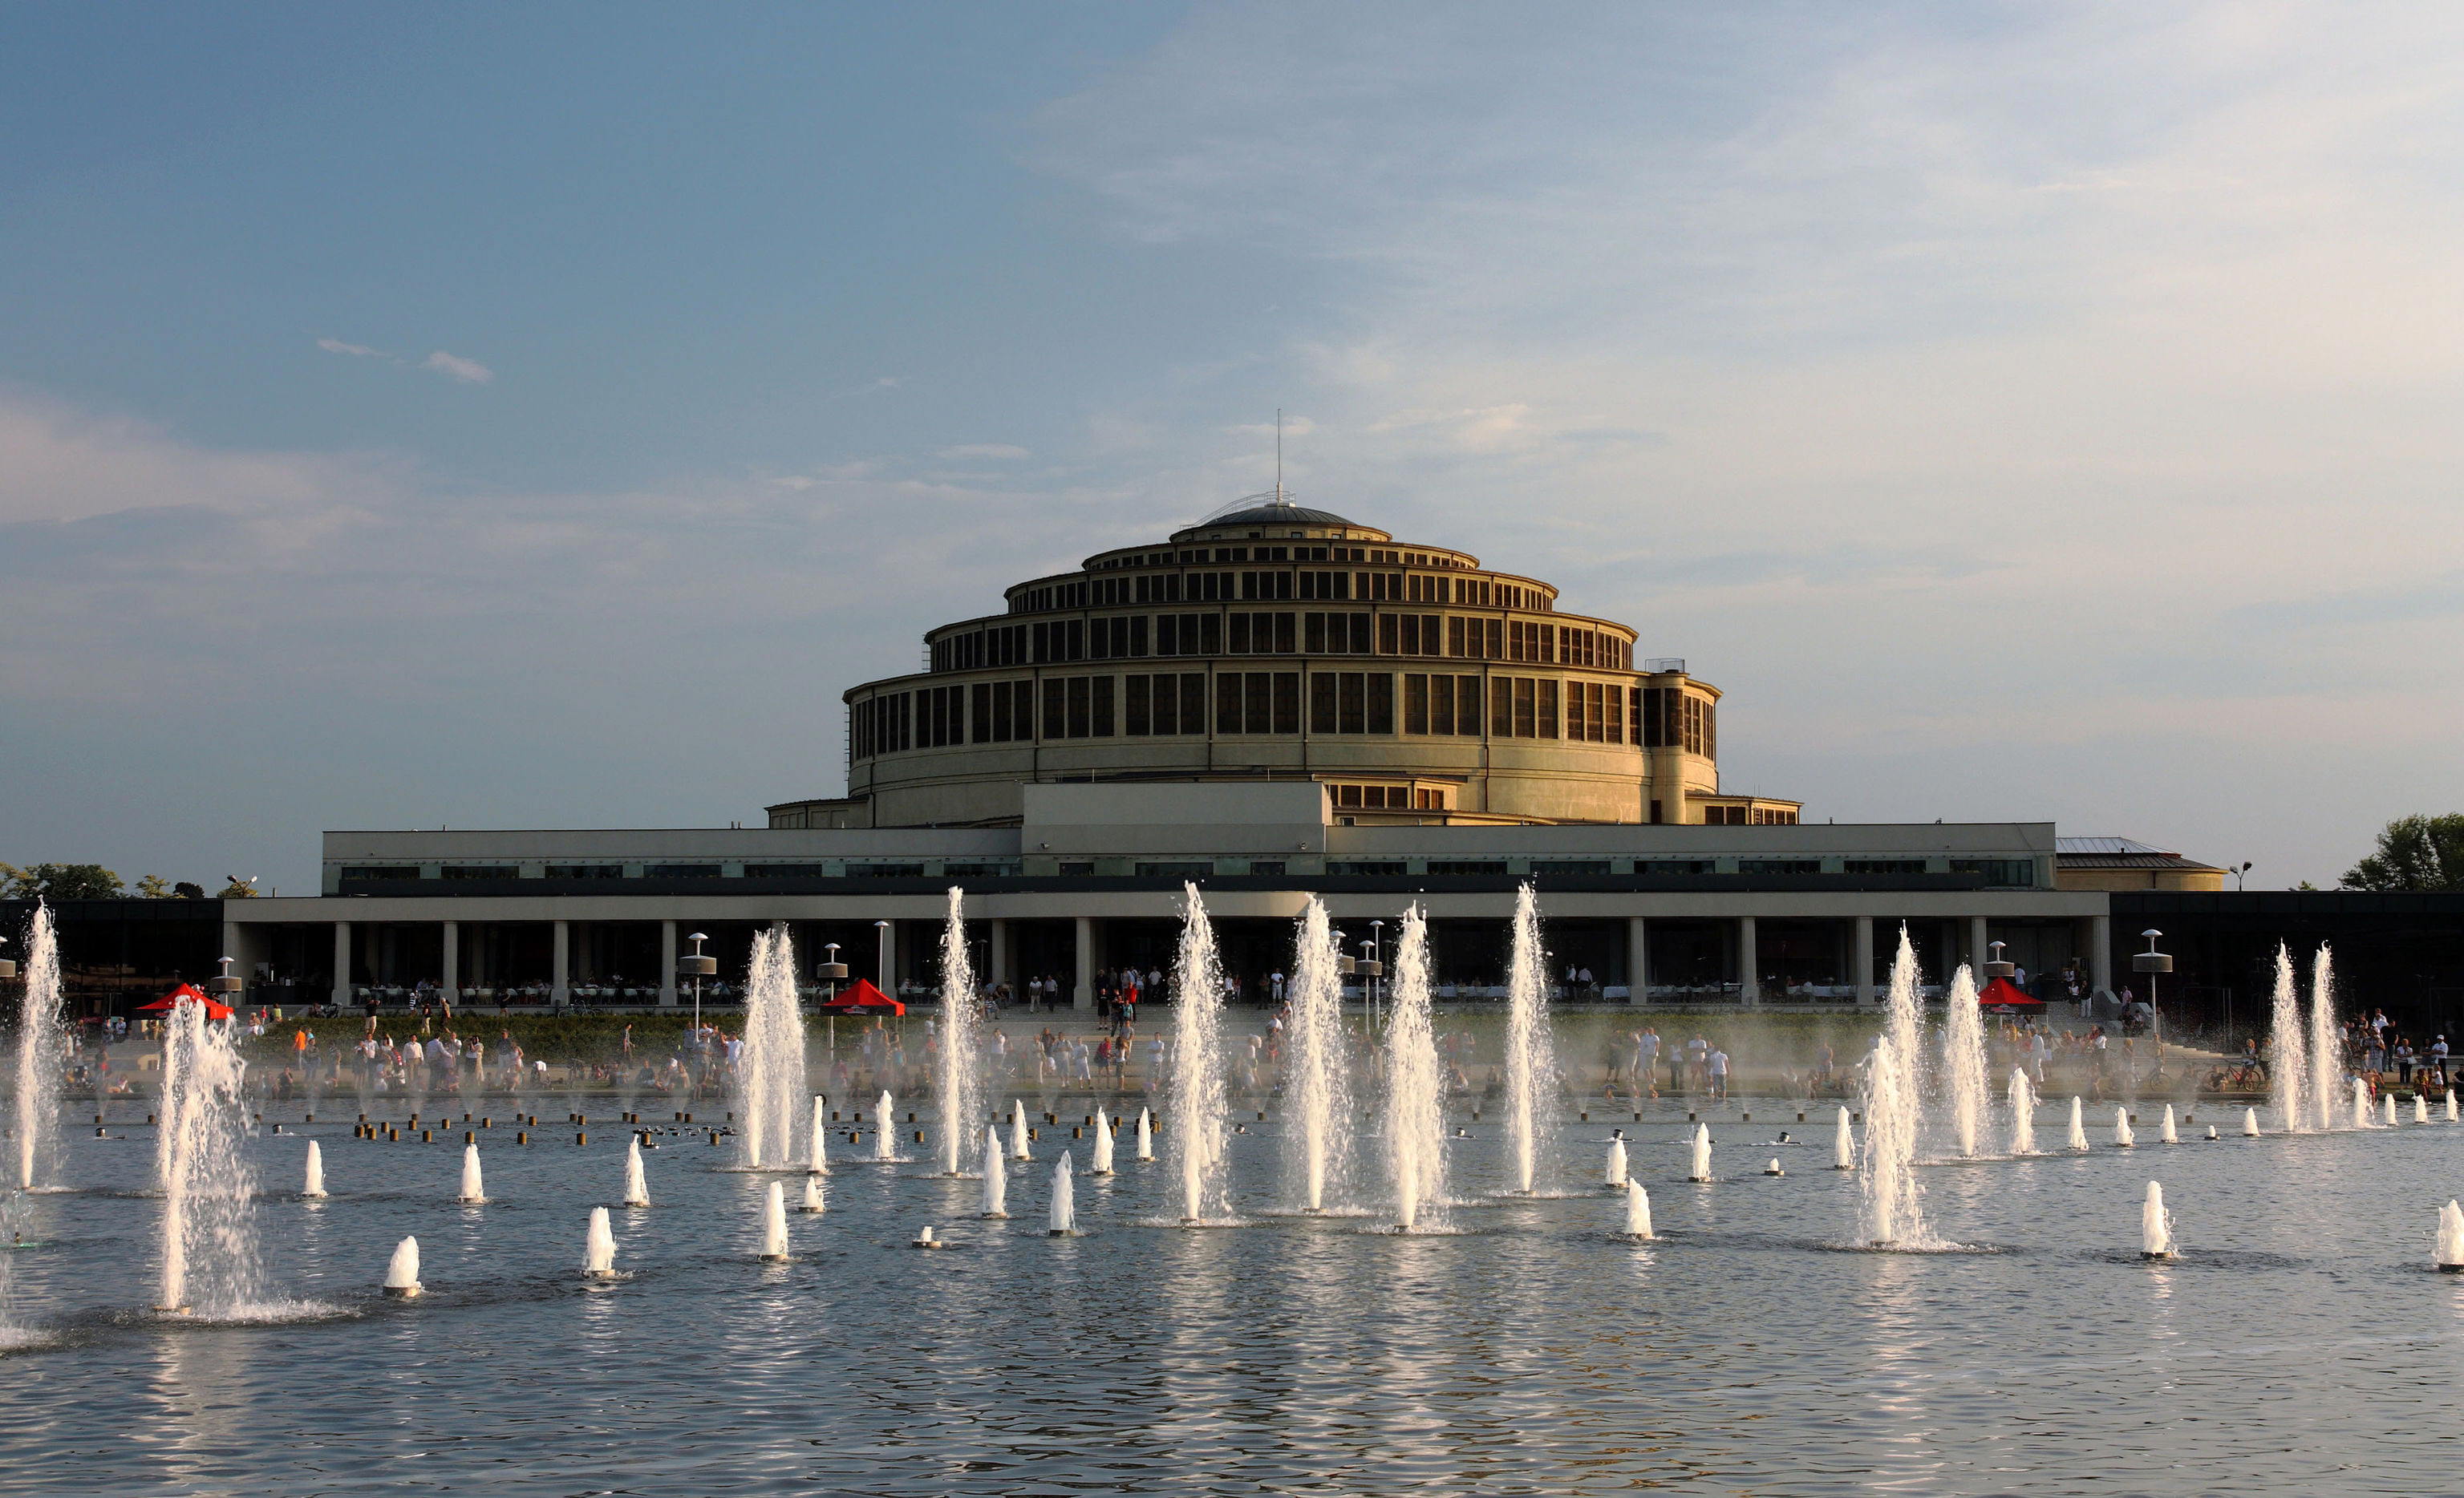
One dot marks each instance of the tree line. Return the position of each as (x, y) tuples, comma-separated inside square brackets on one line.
[(56, 882)]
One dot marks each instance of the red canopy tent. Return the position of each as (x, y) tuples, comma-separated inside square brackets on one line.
[(862, 998), (215, 1008), (2003, 994)]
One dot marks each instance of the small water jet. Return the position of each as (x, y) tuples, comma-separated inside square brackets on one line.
[(773, 1077), (474, 1191), (2077, 1139), (2250, 1123), (1701, 1169), (1773, 1169), (1200, 1121), (1318, 1082), (1017, 1141), (884, 1146), (1064, 1220), (774, 1225), (2023, 1112), (2288, 1049), (2123, 1137), (815, 1201), (2361, 1104), (996, 1181), (924, 1239), (1638, 1212), (1101, 1164), (42, 1052), (817, 1149), (958, 1099), (1963, 1061), (1415, 1126), (2156, 1226), (402, 1270), (2451, 1104), (1146, 1136), (1614, 1177), (1844, 1143), (2166, 1132), (313, 1186), (2420, 1109), (1530, 1061), (599, 1248), (2450, 1249), (637, 1184)]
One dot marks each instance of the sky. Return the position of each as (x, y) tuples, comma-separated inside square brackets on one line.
[(537, 416)]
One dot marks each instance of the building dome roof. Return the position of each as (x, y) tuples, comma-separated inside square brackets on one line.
[(1275, 515)]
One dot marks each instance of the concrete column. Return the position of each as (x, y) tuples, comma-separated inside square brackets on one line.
[(667, 964), (1084, 995), (1749, 984), (451, 980), (885, 957), (1978, 951), (999, 963), (1638, 962), (560, 984), (341, 962), (1864, 959), (2099, 953)]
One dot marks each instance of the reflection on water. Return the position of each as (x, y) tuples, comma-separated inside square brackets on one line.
[(1535, 1351)]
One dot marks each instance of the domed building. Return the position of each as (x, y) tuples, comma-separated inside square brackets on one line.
[(1277, 641)]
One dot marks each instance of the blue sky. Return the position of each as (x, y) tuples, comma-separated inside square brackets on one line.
[(535, 416)]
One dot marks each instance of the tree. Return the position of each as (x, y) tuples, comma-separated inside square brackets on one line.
[(235, 888), (2416, 853), (56, 882), (154, 887)]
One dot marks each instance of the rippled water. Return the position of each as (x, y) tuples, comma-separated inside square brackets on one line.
[(2303, 1345)]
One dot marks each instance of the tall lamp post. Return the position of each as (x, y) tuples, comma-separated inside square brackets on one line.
[(885, 935), (1372, 965), (696, 966), (832, 972), (227, 984), (2152, 962)]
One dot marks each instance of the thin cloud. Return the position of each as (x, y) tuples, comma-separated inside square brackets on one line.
[(470, 371), (335, 345), (1002, 450)]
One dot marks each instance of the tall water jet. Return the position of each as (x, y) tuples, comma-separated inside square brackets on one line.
[(1146, 1136), (1531, 1060), (402, 1270), (1844, 1143), (2155, 1225), (2077, 1139), (996, 1178), (42, 1053), (1615, 1177), (2326, 1045), (1415, 1125), (1198, 1106), (1701, 1169), (2023, 1112), (209, 1257), (1317, 1083), (1963, 1061), (1018, 1142), (599, 1248), (475, 1190), (885, 1147), (817, 1151), (2288, 1051), (2250, 1123), (313, 1186), (1889, 1214), (774, 1223), (637, 1184), (2450, 1252), (1064, 1220), (816, 1199), (2166, 1134), (773, 1079), (2123, 1137), (957, 1079), (1102, 1161), (1638, 1211)]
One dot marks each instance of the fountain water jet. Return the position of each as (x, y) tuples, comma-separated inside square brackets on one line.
[(1889, 1214), (1615, 1178), (42, 1053), (2156, 1226), (2326, 1045), (1064, 1220), (774, 1225), (2166, 1134), (209, 1236), (1701, 1170), (2420, 1107), (883, 1146), (637, 1186), (2387, 1107), (2450, 1251), (1963, 1061), (815, 1201), (2250, 1123), (1102, 1161), (1146, 1136), (996, 1178), (599, 1248), (1843, 1144), (817, 1151), (1017, 1141), (2451, 1104), (1415, 1126), (2079, 1126), (2361, 1104), (2023, 1112), (402, 1270), (2123, 1137), (1531, 1061), (313, 1186), (1196, 1102), (957, 1081), (773, 1078), (2288, 1049), (1317, 1084), (1638, 1212), (474, 1191)]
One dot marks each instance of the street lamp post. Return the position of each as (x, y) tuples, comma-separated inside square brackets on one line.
[(832, 972), (696, 966), (1372, 964), (885, 936), (2152, 962)]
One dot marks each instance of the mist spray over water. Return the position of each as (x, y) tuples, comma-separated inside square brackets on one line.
[(958, 1087), (1317, 1080), (1198, 1106), (771, 1086), (42, 1054), (1415, 1126), (1531, 1060)]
